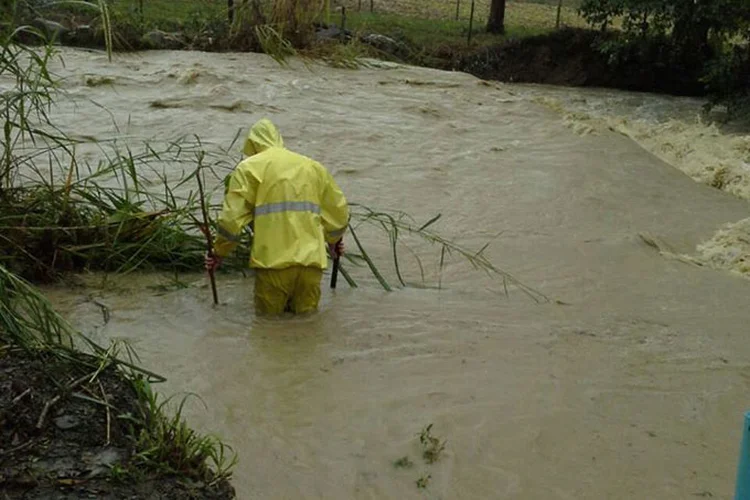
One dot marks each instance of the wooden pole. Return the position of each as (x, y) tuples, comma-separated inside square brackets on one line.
[(206, 230), (471, 21), (230, 10), (458, 7), (335, 272), (343, 18), (559, 14)]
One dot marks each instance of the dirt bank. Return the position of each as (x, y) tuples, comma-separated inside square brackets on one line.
[(572, 57), (62, 436)]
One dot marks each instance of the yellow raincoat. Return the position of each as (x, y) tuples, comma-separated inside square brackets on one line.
[(295, 206)]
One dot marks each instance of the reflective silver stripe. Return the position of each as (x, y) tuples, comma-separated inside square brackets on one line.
[(337, 234), (287, 206), (226, 234)]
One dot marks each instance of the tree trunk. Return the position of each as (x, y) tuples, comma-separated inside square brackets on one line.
[(496, 22)]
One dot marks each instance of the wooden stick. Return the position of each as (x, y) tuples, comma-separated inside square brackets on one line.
[(109, 417), (18, 448), (20, 397), (206, 232), (471, 22), (335, 272), (48, 405)]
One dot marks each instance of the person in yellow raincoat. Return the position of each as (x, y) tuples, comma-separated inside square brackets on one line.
[(296, 209)]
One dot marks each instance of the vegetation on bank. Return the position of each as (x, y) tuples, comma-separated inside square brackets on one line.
[(79, 419), (712, 36), (699, 48)]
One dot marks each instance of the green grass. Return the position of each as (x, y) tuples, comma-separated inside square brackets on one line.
[(433, 33), (439, 17), (168, 445), (171, 15)]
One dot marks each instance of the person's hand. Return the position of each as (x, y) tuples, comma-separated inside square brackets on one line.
[(212, 262), (337, 249)]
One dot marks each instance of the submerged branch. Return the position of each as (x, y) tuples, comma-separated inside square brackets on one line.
[(394, 221)]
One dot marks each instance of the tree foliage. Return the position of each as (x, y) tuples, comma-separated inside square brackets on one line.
[(685, 21), (713, 34)]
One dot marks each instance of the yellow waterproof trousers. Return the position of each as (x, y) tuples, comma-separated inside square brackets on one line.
[(294, 289)]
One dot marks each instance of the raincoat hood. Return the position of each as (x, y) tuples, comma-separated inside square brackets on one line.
[(263, 135)]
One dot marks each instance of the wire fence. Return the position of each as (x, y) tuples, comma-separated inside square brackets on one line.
[(529, 14), (546, 13)]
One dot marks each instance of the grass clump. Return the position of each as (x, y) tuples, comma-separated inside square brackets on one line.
[(73, 215), (403, 463), (168, 445), (102, 219), (423, 481), (432, 447)]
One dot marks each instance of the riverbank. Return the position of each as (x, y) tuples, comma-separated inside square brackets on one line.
[(81, 421), (532, 50), (67, 432)]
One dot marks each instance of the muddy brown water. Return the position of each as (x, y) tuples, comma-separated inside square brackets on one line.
[(633, 388)]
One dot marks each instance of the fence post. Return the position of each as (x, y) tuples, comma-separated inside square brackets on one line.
[(359, 6), (559, 13), (372, 6), (343, 17), (230, 10), (471, 21), (742, 488), (458, 6)]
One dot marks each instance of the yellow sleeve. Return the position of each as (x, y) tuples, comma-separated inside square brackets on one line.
[(237, 210), (334, 210)]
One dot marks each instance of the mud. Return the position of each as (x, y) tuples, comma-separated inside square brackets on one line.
[(76, 449)]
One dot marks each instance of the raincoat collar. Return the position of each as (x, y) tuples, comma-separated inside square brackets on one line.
[(263, 135)]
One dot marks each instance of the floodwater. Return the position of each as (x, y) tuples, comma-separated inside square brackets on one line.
[(630, 383)]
